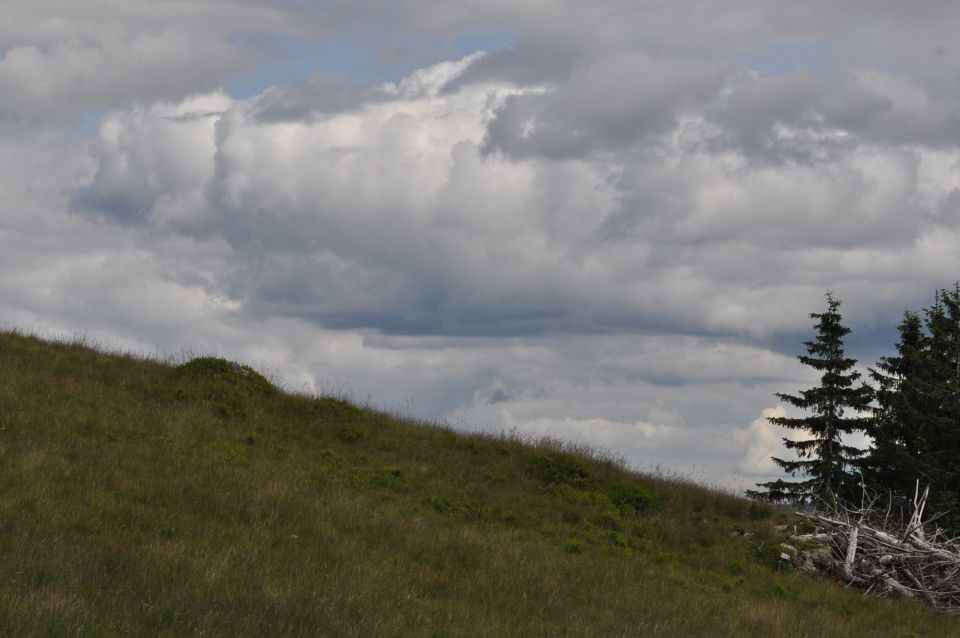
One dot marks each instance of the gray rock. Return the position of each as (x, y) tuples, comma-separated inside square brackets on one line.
[(790, 549)]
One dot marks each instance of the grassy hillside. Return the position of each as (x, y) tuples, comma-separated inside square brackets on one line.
[(143, 499)]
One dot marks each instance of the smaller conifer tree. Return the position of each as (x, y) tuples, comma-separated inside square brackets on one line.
[(902, 419), (836, 407), (941, 423), (916, 422)]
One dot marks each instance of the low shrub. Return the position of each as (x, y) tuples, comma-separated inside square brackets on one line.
[(559, 469)]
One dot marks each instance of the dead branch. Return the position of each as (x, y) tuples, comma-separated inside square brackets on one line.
[(864, 548)]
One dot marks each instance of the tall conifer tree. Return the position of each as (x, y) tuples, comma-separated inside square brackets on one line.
[(825, 461), (901, 425), (942, 416), (916, 427)]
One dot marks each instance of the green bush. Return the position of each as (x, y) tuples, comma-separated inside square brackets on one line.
[(470, 509), (759, 511), (349, 434), (559, 469), (389, 477), (630, 498)]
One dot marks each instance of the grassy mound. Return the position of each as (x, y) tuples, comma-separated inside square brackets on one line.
[(226, 372), (143, 499), (227, 387)]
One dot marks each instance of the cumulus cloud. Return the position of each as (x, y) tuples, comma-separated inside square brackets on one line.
[(763, 440), (155, 162), (379, 207)]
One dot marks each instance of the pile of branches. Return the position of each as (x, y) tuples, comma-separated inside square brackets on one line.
[(912, 558)]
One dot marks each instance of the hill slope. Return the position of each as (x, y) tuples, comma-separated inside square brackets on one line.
[(139, 498)]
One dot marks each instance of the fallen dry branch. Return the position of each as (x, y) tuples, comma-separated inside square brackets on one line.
[(861, 547)]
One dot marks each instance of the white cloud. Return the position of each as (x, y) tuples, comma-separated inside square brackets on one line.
[(383, 213), (154, 163), (764, 440)]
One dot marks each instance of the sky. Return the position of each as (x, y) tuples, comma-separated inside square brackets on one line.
[(603, 222)]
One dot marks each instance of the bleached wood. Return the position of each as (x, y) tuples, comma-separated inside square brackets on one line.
[(862, 547), (851, 551)]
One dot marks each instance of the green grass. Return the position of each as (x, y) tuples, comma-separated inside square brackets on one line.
[(139, 498)]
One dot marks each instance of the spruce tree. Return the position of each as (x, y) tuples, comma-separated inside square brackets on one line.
[(901, 423), (823, 459), (916, 426), (942, 415)]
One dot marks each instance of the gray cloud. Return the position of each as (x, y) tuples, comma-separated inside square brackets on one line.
[(58, 60), (527, 61), (319, 96), (801, 117), (72, 76), (608, 104)]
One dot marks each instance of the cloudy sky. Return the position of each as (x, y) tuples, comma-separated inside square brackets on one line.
[(605, 221)]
